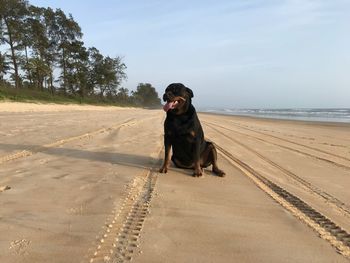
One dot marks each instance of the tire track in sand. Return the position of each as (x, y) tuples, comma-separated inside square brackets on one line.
[(346, 167), (121, 233), (329, 199), (299, 144), (327, 229), (42, 148)]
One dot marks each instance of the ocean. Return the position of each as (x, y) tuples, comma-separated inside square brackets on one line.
[(323, 115)]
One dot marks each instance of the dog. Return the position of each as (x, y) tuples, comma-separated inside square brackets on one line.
[(183, 134)]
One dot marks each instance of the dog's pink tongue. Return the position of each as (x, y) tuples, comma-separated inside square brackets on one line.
[(169, 105)]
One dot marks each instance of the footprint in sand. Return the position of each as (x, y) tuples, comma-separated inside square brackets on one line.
[(20, 246), (4, 188)]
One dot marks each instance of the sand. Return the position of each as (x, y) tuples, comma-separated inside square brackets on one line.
[(80, 184)]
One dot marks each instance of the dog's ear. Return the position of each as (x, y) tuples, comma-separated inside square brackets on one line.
[(190, 92)]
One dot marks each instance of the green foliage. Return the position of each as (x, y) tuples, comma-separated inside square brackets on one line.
[(44, 57), (12, 22), (106, 73), (4, 66), (146, 96), (29, 95)]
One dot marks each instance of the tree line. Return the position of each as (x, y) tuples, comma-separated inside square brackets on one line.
[(42, 49)]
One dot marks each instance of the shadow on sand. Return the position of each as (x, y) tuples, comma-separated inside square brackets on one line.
[(124, 159), (132, 160)]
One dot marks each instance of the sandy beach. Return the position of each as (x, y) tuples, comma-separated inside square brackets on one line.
[(81, 184)]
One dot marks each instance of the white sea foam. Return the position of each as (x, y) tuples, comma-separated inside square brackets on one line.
[(329, 115)]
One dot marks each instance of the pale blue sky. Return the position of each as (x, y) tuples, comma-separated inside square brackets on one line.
[(238, 54)]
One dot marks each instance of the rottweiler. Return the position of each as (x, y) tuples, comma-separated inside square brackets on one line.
[(184, 134)]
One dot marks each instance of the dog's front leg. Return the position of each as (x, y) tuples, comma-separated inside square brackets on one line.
[(167, 148), (196, 158)]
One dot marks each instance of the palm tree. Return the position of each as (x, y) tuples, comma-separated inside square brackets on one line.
[(38, 70)]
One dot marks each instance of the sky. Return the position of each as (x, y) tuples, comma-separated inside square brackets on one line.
[(231, 53)]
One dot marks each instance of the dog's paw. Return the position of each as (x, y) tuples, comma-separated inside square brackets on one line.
[(163, 170), (219, 172), (198, 173)]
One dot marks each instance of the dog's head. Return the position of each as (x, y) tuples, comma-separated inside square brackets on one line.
[(178, 98)]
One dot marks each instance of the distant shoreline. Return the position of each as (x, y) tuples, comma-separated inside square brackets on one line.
[(334, 115), (274, 120)]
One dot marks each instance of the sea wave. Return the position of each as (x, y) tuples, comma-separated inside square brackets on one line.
[(307, 114)]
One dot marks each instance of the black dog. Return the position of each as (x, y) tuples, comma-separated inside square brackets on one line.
[(184, 134)]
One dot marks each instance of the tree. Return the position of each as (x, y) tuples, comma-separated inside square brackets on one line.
[(146, 95), (38, 70), (106, 73), (113, 73), (35, 38), (123, 94), (41, 41), (4, 66), (95, 69), (52, 32), (66, 33), (12, 13), (77, 68)]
